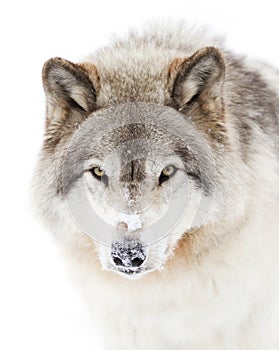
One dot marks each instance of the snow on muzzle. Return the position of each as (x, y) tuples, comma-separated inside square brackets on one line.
[(128, 255)]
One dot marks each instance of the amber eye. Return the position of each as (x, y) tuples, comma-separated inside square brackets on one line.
[(168, 170), (167, 173), (98, 171), (99, 174)]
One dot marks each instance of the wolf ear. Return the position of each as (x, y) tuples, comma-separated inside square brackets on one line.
[(67, 86), (198, 77)]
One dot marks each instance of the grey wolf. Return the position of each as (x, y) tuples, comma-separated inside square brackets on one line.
[(158, 175)]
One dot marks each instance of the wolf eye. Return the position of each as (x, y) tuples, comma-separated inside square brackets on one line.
[(167, 173), (99, 174)]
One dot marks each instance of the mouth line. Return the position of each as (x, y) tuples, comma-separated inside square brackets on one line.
[(134, 273), (131, 273), (127, 271)]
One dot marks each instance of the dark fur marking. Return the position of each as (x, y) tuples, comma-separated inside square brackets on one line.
[(133, 171)]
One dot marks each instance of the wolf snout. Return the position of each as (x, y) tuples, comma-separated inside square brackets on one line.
[(128, 254)]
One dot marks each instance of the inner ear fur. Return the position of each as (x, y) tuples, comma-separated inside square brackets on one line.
[(198, 77), (68, 86)]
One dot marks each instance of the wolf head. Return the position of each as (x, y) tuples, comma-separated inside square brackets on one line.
[(136, 174)]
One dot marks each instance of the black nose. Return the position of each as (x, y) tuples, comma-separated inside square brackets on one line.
[(128, 253)]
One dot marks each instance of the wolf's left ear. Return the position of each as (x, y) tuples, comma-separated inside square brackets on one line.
[(67, 85), (199, 77)]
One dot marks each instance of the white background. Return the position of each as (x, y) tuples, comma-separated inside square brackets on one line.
[(39, 307)]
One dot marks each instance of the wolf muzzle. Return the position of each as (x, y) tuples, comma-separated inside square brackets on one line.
[(128, 254)]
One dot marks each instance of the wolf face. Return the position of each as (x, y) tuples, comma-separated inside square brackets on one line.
[(136, 176), (141, 181)]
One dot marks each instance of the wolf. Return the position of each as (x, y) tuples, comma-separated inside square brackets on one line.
[(158, 176)]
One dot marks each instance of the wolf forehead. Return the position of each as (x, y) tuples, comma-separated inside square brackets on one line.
[(132, 134), (133, 123)]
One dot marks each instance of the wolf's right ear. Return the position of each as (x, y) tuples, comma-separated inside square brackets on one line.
[(67, 86)]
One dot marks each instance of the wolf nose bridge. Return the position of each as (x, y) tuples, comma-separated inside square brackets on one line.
[(128, 253)]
